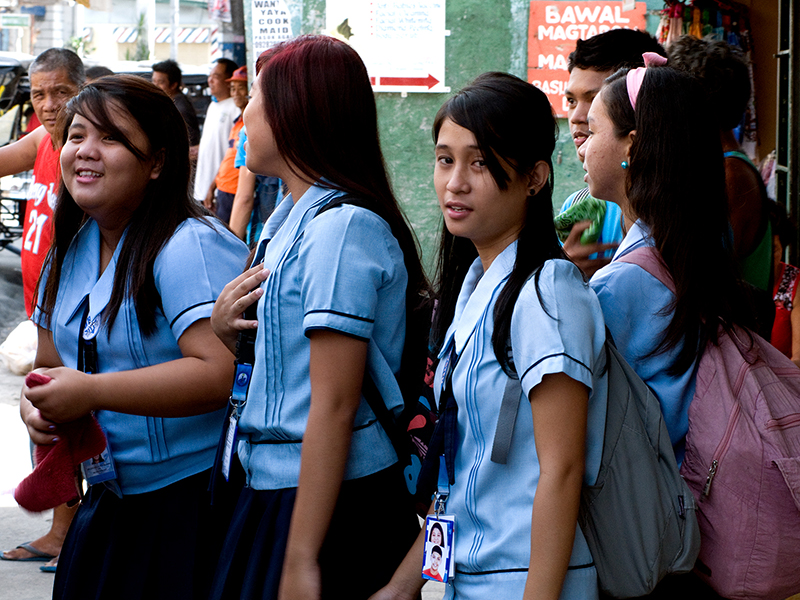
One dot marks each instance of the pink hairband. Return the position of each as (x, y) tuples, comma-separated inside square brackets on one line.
[(635, 77)]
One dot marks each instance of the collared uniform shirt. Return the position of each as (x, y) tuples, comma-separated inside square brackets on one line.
[(190, 272), (493, 503), (636, 307), (342, 271)]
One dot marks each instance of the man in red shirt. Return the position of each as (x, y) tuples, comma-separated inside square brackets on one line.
[(56, 75)]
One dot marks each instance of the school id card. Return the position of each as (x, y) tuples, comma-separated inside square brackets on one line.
[(438, 562)]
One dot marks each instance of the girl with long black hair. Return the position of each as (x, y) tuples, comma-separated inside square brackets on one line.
[(511, 305), (653, 151)]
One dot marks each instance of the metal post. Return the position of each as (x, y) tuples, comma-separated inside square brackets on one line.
[(787, 158), (174, 23)]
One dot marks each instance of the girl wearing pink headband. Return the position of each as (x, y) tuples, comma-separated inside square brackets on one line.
[(635, 77), (653, 150)]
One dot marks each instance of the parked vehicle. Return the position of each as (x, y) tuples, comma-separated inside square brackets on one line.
[(14, 106)]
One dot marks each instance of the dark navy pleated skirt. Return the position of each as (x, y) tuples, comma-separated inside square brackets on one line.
[(373, 527), (157, 545)]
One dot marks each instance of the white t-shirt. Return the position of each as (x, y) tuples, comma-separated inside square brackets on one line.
[(213, 144)]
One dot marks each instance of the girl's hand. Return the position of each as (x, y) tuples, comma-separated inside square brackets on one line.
[(226, 318), (67, 397), (41, 431), (300, 580), (579, 253)]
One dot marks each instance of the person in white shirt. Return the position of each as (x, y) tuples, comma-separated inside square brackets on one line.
[(217, 127)]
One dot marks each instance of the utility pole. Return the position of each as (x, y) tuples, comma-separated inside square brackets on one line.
[(174, 23)]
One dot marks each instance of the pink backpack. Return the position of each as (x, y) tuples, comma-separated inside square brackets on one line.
[(743, 461)]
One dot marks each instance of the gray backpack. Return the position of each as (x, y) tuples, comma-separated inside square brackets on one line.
[(639, 518)]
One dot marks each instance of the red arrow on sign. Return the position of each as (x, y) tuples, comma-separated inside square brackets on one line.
[(428, 81)]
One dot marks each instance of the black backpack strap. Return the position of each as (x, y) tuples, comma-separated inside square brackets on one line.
[(370, 391), (348, 199)]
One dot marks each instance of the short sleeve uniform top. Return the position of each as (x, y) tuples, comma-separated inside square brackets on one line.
[(562, 333), (636, 309), (190, 272), (341, 271)]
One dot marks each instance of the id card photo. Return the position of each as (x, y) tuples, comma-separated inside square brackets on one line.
[(438, 563)]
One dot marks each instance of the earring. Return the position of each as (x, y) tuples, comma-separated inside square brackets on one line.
[(532, 192), (624, 164)]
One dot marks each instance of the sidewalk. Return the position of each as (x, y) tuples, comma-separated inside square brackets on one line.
[(23, 580), (18, 581)]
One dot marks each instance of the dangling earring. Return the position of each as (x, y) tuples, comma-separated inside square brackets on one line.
[(624, 164)]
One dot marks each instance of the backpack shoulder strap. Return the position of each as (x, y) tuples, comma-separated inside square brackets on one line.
[(348, 199), (506, 419), (650, 260)]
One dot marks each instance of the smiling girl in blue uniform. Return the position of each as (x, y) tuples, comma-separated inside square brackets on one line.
[(124, 332), (511, 303), (332, 307)]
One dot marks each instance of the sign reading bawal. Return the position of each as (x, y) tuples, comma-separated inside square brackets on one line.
[(555, 27)]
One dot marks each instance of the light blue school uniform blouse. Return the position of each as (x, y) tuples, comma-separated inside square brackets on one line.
[(563, 333), (190, 272), (636, 308), (342, 271)]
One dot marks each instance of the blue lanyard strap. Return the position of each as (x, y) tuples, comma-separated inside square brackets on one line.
[(245, 349), (442, 487), (444, 439), (449, 417)]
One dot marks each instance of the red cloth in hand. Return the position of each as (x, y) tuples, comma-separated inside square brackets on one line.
[(53, 481)]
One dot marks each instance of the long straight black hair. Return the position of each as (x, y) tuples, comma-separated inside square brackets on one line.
[(676, 185), (514, 127), (166, 203)]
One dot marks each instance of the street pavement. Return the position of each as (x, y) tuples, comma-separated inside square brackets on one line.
[(18, 580), (24, 580)]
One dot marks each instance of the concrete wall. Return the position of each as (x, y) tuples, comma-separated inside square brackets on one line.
[(55, 29), (484, 36), (487, 36)]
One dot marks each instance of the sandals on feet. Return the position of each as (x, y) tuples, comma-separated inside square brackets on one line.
[(38, 555)]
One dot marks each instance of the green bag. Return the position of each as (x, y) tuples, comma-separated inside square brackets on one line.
[(585, 208)]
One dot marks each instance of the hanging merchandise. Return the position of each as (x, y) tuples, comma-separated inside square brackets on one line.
[(703, 18), (720, 20)]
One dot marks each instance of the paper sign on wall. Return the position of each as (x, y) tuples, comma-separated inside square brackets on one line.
[(553, 30), (272, 24), (401, 42)]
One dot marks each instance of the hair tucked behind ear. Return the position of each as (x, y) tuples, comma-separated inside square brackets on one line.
[(676, 185), (513, 124)]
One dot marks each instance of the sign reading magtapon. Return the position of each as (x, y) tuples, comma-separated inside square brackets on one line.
[(400, 41), (555, 27)]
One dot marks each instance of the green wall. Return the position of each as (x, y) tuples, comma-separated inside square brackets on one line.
[(485, 35)]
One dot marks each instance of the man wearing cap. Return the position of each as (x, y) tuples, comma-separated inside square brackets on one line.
[(217, 127), (223, 188)]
